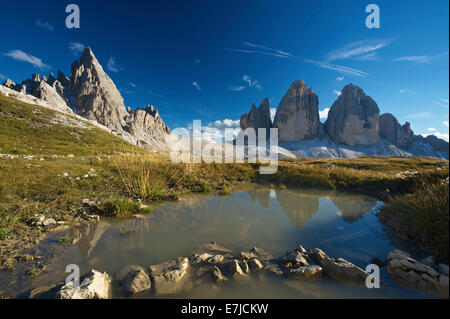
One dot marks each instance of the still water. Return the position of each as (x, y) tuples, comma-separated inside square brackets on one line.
[(276, 220)]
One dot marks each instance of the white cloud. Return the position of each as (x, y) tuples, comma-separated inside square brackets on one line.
[(406, 91), (419, 116), (431, 129), (338, 93), (132, 84), (420, 58), (263, 50), (324, 113), (340, 78), (339, 68), (76, 47), (113, 66), (442, 102), (273, 111), (197, 86), (237, 88), (250, 83), (443, 136), (19, 55), (361, 50), (445, 123), (45, 25)]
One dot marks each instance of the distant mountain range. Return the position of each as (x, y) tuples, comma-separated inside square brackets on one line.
[(354, 126)]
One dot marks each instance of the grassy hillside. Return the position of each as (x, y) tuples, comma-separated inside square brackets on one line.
[(34, 130), (73, 162)]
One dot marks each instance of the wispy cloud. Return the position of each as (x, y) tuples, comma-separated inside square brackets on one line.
[(237, 88), (197, 61), (263, 50), (2, 77), (419, 116), (340, 78), (113, 66), (339, 68), (132, 84), (197, 86), (443, 136), (360, 50), (431, 129), (76, 48), (19, 55), (249, 83), (442, 102), (421, 58), (324, 113), (403, 91), (445, 123), (338, 93), (45, 25)]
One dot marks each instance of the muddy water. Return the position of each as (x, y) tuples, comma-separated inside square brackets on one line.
[(276, 220)]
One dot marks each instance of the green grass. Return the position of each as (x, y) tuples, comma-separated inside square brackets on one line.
[(422, 217), (126, 176)]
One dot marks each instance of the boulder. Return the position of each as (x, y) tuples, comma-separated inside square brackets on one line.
[(169, 277), (133, 279), (340, 269), (310, 272), (216, 275), (93, 285), (390, 129), (235, 269), (353, 118), (295, 259), (255, 265), (410, 273), (297, 116)]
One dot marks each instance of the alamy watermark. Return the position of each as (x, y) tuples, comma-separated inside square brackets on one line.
[(191, 146)]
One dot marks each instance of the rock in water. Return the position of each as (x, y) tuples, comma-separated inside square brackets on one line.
[(168, 277), (216, 275), (353, 118), (93, 285), (310, 272), (134, 279), (340, 269), (395, 133), (409, 272), (258, 118), (297, 116), (94, 94)]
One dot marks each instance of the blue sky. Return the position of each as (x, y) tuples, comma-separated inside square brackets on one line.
[(210, 60)]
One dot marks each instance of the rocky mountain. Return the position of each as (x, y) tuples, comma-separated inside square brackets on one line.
[(258, 117), (297, 116), (353, 118), (354, 127), (390, 129), (91, 94)]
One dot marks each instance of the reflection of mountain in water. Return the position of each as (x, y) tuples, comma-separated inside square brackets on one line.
[(353, 208), (299, 208), (262, 195), (88, 235)]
